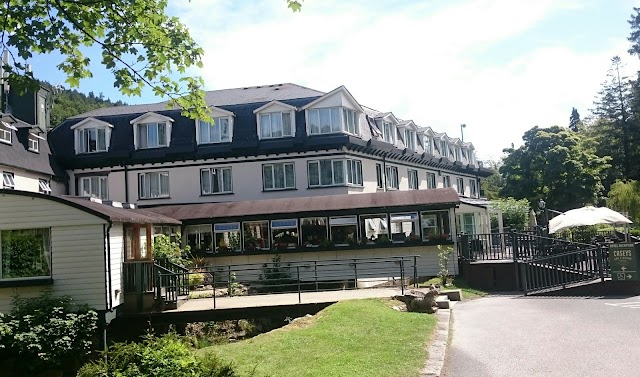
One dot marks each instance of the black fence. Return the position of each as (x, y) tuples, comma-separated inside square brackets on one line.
[(276, 276), (562, 269)]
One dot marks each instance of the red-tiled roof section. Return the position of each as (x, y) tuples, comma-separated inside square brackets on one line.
[(378, 200)]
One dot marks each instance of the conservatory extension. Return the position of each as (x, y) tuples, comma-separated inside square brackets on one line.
[(321, 228)]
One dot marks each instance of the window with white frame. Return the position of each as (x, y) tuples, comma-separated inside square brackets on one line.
[(446, 181), (92, 140), (44, 187), (474, 188), (96, 187), (26, 253), (153, 185), (333, 119), (275, 125), (410, 139), (457, 152), (215, 181), (220, 131), (392, 178), (427, 145), (227, 237), (388, 132), (431, 180), (334, 172), (460, 185), (34, 143), (413, 179), (152, 135), (444, 148), (7, 180), (5, 132), (379, 181), (278, 176)]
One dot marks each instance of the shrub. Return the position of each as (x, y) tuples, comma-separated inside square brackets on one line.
[(46, 333), (165, 248), (168, 355), (515, 213), (196, 279)]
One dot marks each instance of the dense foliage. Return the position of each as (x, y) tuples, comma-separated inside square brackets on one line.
[(164, 247), (624, 197), (140, 44), (556, 164), (67, 103), (515, 213), (46, 333), (169, 355), (596, 159)]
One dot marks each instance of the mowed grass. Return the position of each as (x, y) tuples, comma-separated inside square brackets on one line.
[(468, 293), (350, 338)]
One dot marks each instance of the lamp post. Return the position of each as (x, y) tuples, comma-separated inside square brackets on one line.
[(462, 127), (544, 216)]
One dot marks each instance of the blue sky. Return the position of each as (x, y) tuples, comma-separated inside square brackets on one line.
[(499, 66)]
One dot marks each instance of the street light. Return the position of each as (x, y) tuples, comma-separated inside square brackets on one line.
[(462, 127), (544, 216)]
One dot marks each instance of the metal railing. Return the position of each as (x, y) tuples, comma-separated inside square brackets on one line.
[(214, 282), (180, 271), (137, 276), (562, 269)]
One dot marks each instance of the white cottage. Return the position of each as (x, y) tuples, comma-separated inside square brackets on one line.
[(72, 246)]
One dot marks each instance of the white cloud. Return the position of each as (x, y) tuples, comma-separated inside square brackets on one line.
[(417, 59)]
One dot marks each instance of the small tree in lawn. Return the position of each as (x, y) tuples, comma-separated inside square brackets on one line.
[(444, 252)]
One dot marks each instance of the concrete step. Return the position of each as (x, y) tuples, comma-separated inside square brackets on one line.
[(443, 302), (452, 294)]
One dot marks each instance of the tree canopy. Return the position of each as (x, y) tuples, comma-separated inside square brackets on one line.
[(555, 164), (67, 103), (140, 44)]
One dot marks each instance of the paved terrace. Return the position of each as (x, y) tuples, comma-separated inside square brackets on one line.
[(282, 299)]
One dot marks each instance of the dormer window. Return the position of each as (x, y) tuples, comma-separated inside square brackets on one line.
[(427, 145), (333, 120), (410, 139), (5, 132), (444, 148), (92, 136), (152, 130), (218, 132), (275, 120), (388, 132), (152, 135), (457, 152), (275, 125), (34, 143)]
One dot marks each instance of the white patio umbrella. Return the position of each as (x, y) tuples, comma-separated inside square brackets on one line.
[(586, 216)]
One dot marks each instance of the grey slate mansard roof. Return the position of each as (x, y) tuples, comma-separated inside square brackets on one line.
[(339, 204), (104, 211), (242, 102), (18, 155)]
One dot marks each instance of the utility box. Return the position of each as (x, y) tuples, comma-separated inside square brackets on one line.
[(623, 259)]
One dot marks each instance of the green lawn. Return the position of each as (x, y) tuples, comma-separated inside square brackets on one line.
[(458, 283), (350, 338)]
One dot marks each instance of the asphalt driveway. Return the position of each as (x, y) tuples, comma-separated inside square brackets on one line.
[(545, 336)]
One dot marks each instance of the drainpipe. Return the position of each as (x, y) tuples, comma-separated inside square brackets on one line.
[(126, 184), (384, 171), (109, 264)]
